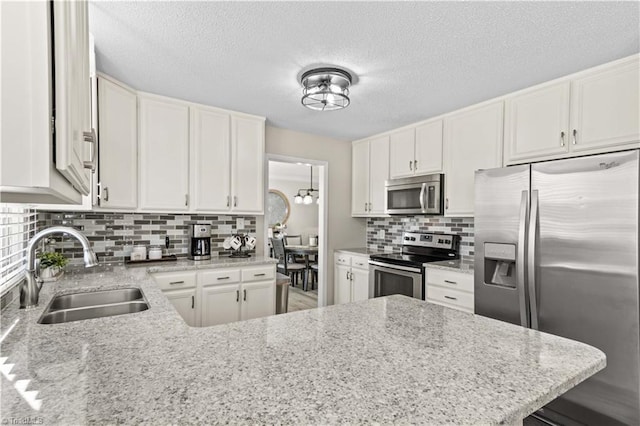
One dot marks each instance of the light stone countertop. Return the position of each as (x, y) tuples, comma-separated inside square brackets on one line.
[(464, 265), (387, 360), (360, 251)]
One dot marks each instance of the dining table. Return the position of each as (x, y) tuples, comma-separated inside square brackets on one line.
[(306, 251)]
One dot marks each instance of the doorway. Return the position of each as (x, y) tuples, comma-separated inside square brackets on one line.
[(295, 203)]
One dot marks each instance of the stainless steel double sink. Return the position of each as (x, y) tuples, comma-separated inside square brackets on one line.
[(94, 304)]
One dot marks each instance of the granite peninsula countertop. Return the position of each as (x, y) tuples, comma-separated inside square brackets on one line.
[(388, 360), (359, 251), (464, 265)]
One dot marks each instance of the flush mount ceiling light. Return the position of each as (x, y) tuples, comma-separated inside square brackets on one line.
[(325, 89)]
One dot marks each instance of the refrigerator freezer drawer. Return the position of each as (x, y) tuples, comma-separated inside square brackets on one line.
[(453, 280), (450, 298)]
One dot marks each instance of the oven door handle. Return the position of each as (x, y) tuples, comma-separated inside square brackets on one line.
[(422, 192), (397, 267)]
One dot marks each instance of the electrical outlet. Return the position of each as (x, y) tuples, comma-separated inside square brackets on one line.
[(239, 224), (381, 234)]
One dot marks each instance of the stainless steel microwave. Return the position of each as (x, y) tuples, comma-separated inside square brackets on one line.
[(416, 195)]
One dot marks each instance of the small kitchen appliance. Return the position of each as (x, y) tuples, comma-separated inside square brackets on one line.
[(200, 241), (404, 273), (415, 195)]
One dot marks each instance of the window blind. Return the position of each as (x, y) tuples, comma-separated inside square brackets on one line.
[(17, 226)]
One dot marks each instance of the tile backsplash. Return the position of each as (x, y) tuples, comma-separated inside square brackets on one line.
[(385, 233), (113, 234)]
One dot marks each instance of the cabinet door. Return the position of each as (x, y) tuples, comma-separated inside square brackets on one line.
[(537, 124), (342, 289), (605, 108), (429, 148), (118, 134), (248, 162), (72, 91), (220, 304), (258, 299), (360, 178), (359, 284), (402, 153), (378, 173), (164, 154), (184, 302), (210, 160), (473, 140)]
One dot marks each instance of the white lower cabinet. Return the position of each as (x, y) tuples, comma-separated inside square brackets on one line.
[(221, 295), (450, 288), (185, 303), (351, 278)]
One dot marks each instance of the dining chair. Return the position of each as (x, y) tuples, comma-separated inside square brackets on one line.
[(294, 240), (314, 274), (284, 266)]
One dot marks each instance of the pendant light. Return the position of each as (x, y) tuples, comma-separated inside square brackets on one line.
[(325, 89), (308, 193)]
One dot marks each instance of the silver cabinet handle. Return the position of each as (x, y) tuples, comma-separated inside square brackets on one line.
[(561, 138), (450, 282), (228, 201), (186, 199), (451, 298), (106, 193), (365, 207), (370, 207), (348, 275), (415, 165), (235, 201), (575, 136), (259, 275), (193, 302), (176, 282), (223, 278), (245, 295), (410, 165), (237, 295), (91, 138), (446, 204)]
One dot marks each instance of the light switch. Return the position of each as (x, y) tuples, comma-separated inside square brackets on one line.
[(381, 234), (239, 223)]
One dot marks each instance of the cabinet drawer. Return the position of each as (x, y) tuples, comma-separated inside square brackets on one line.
[(219, 276), (343, 259), (262, 273), (453, 298), (175, 280), (450, 279), (360, 262)]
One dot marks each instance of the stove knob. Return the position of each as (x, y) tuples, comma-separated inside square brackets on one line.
[(413, 238)]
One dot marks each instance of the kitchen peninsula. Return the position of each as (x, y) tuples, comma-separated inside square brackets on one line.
[(388, 360)]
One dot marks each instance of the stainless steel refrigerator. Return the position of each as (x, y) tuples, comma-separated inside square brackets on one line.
[(556, 249)]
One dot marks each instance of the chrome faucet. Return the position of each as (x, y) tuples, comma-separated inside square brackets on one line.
[(30, 287)]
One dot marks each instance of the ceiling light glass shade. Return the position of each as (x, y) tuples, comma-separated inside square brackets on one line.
[(297, 199), (325, 89), (308, 199)]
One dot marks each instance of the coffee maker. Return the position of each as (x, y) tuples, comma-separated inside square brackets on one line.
[(200, 241)]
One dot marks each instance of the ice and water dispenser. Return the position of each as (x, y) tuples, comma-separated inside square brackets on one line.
[(500, 264)]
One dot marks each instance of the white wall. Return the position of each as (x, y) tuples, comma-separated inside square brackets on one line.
[(343, 230), (303, 219)]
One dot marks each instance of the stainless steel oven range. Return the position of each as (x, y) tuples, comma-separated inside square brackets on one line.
[(403, 273)]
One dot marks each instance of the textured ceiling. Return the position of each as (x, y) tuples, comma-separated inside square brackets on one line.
[(413, 60)]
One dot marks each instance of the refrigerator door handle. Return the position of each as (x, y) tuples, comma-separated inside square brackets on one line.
[(531, 261), (520, 259)]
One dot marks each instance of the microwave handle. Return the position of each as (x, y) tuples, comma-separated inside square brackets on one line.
[(422, 194)]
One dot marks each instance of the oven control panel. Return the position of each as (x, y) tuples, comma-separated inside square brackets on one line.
[(443, 241)]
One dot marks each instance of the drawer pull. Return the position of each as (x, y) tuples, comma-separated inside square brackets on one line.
[(176, 282), (223, 278), (259, 275), (450, 282), (451, 297)]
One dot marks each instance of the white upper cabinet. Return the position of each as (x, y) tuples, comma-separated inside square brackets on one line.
[(359, 178), (72, 102), (590, 112), (164, 153), (118, 137), (370, 170), (537, 123), (473, 140), (247, 164), (429, 148), (416, 151), (402, 154), (29, 154), (605, 107), (210, 160)]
